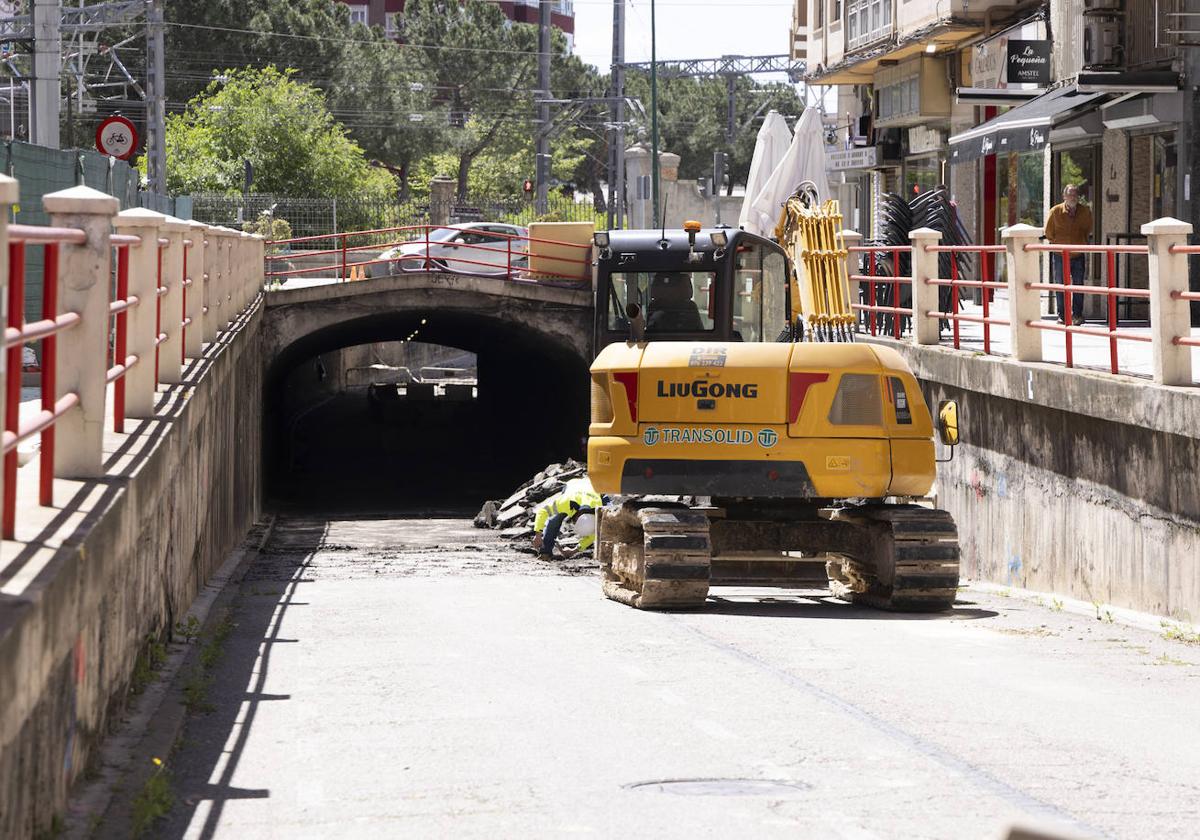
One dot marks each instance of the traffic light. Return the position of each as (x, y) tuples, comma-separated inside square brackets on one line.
[(721, 173)]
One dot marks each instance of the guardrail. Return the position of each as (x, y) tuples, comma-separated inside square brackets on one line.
[(1166, 251), (97, 329), (447, 248)]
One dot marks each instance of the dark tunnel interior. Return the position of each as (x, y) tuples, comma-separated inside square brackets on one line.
[(336, 443)]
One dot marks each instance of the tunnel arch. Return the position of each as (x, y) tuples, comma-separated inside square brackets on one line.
[(531, 407)]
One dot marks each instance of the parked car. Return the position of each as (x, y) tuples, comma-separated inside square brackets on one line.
[(468, 248)]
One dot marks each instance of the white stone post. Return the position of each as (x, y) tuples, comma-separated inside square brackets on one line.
[(194, 343), (852, 239), (246, 268), (212, 303), (1169, 317), (141, 385), (170, 353), (9, 195), (84, 285), (225, 284), (258, 265), (926, 330), (1025, 305)]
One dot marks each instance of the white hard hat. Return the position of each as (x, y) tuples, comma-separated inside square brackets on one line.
[(585, 524)]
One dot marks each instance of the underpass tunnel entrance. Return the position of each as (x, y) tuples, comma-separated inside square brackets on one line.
[(419, 411)]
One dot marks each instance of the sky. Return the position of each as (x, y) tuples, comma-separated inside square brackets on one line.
[(685, 29)]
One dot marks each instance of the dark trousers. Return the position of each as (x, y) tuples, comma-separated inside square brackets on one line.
[(550, 532), (1056, 276)]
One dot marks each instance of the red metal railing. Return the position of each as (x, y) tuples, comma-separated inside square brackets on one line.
[(1183, 340), (1069, 289), (872, 278), (123, 361), (473, 258), (956, 283), (16, 335)]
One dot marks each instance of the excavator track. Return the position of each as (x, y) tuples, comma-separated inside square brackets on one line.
[(911, 560), (655, 558)]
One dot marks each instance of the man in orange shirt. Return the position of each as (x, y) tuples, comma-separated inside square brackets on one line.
[(1069, 223)]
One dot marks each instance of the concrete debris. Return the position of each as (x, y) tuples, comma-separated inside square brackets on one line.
[(514, 515)]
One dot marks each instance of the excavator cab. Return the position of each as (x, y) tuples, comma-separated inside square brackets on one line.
[(692, 285)]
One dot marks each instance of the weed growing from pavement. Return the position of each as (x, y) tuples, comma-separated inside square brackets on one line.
[(154, 800), (1177, 633), (55, 829), (149, 659), (189, 629), (1167, 659), (1057, 605), (198, 680)]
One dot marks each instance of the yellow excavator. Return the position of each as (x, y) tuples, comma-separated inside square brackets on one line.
[(748, 440)]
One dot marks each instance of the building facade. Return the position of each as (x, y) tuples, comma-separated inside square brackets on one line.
[(388, 14), (1004, 104)]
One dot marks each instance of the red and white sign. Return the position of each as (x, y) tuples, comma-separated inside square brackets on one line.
[(116, 136)]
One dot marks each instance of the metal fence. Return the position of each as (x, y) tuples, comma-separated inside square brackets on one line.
[(323, 216), (41, 170)]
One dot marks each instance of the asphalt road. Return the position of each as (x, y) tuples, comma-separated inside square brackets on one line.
[(417, 678)]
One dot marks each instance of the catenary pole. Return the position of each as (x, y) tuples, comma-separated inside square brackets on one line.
[(542, 152), (653, 118)]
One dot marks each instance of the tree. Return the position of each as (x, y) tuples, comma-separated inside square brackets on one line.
[(484, 68), (373, 86), (282, 127)]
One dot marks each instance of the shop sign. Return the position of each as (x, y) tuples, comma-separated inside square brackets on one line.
[(989, 59), (864, 157), (922, 139), (1028, 62)]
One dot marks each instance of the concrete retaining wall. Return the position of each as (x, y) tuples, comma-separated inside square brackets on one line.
[(1078, 483), (119, 562)]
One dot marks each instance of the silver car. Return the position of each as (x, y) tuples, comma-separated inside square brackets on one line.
[(467, 248)]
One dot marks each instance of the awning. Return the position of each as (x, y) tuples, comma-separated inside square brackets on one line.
[(1023, 128), (859, 67)]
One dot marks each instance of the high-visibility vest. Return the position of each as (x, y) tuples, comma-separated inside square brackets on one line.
[(576, 493)]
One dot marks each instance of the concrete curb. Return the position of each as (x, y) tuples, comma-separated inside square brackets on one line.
[(1096, 611), (151, 727)]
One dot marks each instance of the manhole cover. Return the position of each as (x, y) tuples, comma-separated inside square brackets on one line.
[(722, 787)]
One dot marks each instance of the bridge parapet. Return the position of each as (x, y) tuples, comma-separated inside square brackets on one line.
[(136, 491)]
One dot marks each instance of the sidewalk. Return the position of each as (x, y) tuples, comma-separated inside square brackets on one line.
[(1089, 351)]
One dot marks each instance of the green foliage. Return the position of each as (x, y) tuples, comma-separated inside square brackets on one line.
[(270, 228), (154, 800), (149, 659), (282, 127), (189, 629)]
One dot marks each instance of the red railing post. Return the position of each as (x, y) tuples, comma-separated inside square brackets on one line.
[(871, 272), (1067, 307), (344, 258), (1112, 308), (141, 384), (954, 300), (985, 300), (12, 397), (49, 367), (121, 342), (8, 197), (896, 293)]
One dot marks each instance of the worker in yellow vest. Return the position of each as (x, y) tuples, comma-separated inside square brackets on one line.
[(576, 503)]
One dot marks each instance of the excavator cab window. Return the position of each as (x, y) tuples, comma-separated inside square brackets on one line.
[(674, 301), (760, 286)]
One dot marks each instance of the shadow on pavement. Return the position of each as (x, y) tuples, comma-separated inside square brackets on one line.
[(819, 606)]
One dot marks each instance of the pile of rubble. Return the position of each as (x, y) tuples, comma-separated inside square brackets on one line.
[(514, 515)]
